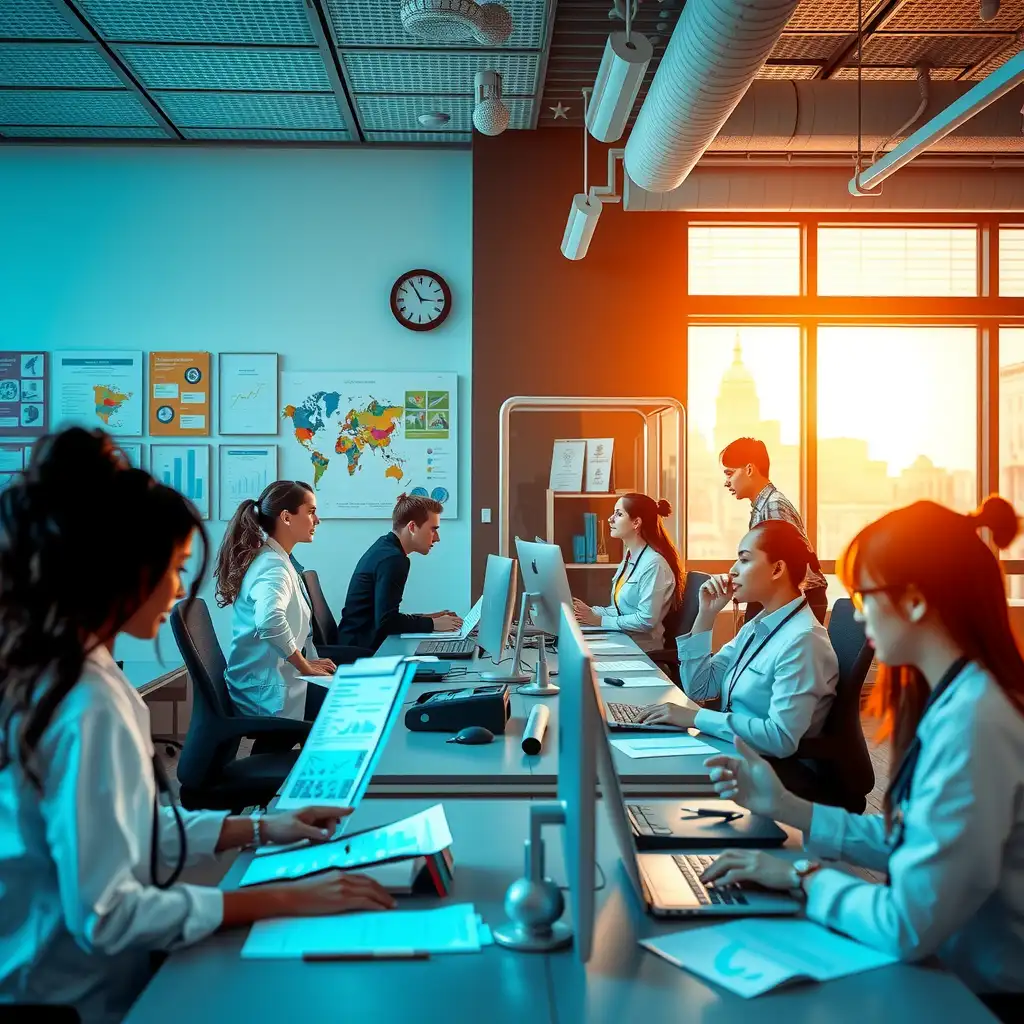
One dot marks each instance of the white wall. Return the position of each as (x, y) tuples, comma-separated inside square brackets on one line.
[(255, 249)]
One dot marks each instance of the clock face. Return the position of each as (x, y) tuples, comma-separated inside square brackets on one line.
[(421, 300)]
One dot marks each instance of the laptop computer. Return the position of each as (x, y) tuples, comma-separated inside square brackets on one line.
[(671, 824), (455, 645)]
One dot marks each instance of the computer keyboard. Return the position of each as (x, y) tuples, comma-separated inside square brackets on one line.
[(644, 825), (691, 867), (447, 648), (625, 714)]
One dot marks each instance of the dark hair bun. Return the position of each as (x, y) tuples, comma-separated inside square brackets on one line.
[(664, 509), (999, 516)]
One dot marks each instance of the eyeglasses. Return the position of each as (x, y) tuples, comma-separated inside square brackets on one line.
[(857, 596)]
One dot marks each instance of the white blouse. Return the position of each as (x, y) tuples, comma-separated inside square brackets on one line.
[(80, 915), (643, 600), (956, 881), (777, 693), (270, 621)]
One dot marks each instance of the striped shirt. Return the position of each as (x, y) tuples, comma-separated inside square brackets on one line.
[(771, 503)]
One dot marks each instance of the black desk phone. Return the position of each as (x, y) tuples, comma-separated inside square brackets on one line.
[(452, 710)]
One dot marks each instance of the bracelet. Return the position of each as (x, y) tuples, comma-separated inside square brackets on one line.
[(256, 817)]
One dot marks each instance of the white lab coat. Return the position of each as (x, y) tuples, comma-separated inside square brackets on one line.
[(79, 913), (956, 882), (782, 695), (270, 622), (643, 601)]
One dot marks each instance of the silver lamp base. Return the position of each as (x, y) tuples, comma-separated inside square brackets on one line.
[(534, 909)]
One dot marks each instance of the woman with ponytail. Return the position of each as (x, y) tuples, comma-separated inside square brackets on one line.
[(89, 857), (950, 696), (775, 680), (649, 581), (270, 625)]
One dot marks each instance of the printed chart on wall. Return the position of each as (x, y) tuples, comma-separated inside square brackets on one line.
[(12, 462), (179, 394), (186, 468), (245, 471), (99, 389), (23, 396), (362, 439), (248, 393)]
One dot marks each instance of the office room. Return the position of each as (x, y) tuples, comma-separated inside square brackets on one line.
[(484, 486)]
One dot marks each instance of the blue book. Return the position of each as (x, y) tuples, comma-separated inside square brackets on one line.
[(590, 531), (579, 548)]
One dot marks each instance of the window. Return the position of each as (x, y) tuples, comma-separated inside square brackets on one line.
[(741, 382), (744, 260), (1011, 426), (1011, 261), (898, 261), (897, 422)]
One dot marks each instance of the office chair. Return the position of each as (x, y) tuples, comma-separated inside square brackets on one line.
[(678, 622), (843, 774), (325, 626), (211, 773)]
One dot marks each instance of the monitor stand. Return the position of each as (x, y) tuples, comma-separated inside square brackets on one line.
[(517, 672), (541, 685)]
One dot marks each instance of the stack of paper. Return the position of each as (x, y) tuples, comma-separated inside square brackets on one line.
[(751, 956), (664, 744), (455, 929)]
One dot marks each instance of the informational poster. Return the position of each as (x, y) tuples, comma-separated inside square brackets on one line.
[(24, 403), (186, 468), (567, 466), (362, 439), (133, 452), (179, 394), (599, 463), (247, 385), (99, 389), (12, 462), (245, 471)]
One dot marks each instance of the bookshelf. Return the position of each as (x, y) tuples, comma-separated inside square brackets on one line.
[(556, 532)]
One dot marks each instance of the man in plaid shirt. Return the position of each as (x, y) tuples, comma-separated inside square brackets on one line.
[(746, 465)]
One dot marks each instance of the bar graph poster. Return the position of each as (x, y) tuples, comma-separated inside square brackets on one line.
[(12, 462), (23, 398), (245, 470), (247, 385), (132, 451), (186, 468), (99, 389), (179, 394)]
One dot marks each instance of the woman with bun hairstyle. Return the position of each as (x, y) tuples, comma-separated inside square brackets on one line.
[(89, 857), (649, 580), (950, 695), (271, 611), (775, 680)]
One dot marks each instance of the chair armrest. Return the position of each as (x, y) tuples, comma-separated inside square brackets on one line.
[(257, 725), (819, 748), (340, 654)]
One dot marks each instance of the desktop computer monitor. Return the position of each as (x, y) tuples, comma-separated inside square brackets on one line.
[(544, 576), (496, 609), (578, 729)]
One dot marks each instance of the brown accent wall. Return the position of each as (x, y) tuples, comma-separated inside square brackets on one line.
[(611, 324)]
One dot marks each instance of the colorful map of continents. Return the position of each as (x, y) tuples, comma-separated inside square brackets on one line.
[(108, 401), (320, 428)]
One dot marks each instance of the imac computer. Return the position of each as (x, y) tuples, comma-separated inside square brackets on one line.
[(535, 903), (496, 618)]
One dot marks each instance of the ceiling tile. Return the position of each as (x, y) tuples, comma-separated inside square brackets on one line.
[(199, 21), (807, 46), (788, 71), (829, 15), (66, 65), (939, 51), (399, 113), (892, 74), (954, 16), (371, 23), (452, 138), (253, 110), (388, 71), (33, 19), (68, 107), (68, 132), (266, 135), (247, 69), (996, 61)]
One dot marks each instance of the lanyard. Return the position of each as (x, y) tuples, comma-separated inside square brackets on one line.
[(899, 788), (615, 592), (740, 667)]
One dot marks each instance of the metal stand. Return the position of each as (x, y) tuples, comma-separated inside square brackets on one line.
[(541, 685), (517, 673), (534, 903)]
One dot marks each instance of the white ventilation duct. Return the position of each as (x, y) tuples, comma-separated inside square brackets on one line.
[(715, 52)]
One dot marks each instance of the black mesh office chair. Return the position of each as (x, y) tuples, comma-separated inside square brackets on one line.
[(325, 627), (843, 774), (209, 769), (678, 622)]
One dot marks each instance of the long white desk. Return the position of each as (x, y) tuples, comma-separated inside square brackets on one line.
[(622, 982)]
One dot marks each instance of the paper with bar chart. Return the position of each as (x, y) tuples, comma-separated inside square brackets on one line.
[(186, 468), (245, 470), (247, 387)]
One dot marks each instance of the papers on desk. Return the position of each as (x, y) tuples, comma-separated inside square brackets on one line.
[(649, 678), (469, 623), (663, 745), (416, 836), (621, 666), (618, 646), (454, 929), (751, 956)]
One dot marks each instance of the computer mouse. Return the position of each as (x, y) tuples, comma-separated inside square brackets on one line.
[(473, 735), (614, 681)]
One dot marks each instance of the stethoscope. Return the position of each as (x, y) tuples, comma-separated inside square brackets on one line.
[(163, 786)]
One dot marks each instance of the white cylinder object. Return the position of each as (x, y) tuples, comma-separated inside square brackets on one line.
[(536, 726), (579, 229), (618, 81)]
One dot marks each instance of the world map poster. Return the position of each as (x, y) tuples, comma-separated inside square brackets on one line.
[(99, 389), (362, 439)]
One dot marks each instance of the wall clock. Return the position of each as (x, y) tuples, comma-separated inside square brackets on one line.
[(421, 300)]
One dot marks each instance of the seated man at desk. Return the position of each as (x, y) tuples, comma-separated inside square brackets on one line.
[(371, 611)]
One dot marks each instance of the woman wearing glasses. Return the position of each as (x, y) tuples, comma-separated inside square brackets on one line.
[(89, 859), (950, 693)]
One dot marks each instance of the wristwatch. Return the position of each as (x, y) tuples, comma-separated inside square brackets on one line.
[(802, 870), (256, 817)]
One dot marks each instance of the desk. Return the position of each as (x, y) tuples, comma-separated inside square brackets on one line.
[(622, 983), (147, 676)]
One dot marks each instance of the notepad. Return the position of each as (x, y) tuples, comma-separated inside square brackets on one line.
[(621, 666), (613, 645), (663, 745), (751, 956)]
